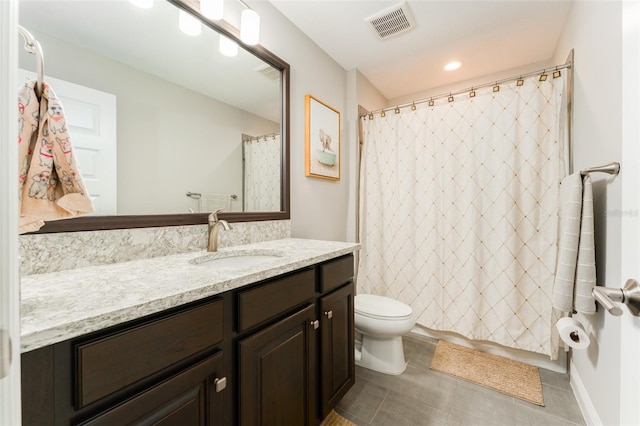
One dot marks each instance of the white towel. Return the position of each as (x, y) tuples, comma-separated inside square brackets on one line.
[(576, 268), (586, 269), (212, 202)]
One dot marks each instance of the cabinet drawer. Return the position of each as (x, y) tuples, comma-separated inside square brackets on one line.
[(114, 362), (188, 398), (335, 273), (270, 299)]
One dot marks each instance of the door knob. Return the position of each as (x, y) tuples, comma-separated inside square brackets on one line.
[(629, 295)]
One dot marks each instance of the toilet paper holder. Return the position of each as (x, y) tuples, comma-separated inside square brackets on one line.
[(629, 295)]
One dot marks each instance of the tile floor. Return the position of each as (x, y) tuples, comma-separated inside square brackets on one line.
[(421, 396)]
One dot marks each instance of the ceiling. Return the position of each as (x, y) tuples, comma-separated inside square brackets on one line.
[(485, 36), (149, 40)]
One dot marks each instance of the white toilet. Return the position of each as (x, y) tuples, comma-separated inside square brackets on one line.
[(382, 321)]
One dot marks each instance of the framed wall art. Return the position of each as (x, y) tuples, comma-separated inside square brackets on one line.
[(322, 140)]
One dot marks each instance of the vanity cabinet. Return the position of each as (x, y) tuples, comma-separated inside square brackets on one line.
[(277, 371), (337, 365), (159, 369), (188, 398), (277, 352)]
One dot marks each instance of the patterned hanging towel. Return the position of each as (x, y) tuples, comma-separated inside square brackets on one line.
[(50, 185)]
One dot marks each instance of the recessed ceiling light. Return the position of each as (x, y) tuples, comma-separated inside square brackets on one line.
[(452, 66)]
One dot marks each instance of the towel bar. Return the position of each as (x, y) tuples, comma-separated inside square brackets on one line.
[(198, 195), (612, 168), (32, 46)]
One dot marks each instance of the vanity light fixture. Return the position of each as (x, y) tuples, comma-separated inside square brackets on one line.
[(431, 102), (143, 4), (520, 82), (543, 77), (227, 46), (397, 110), (451, 66), (413, 106), (472, 93), (212, 9), (556, 73), (189, 24), (383, 114), (249, 26)]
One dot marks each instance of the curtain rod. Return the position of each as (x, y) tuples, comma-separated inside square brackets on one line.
[(272, 135), (412, 104)]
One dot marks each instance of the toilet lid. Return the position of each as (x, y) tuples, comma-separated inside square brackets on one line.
[(375, 306)]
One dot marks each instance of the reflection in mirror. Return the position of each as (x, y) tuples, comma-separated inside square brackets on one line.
[(261, 183), (161, 122)]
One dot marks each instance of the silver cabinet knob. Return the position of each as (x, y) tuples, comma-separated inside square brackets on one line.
[(329, 314), (220, 384), (315, 324)]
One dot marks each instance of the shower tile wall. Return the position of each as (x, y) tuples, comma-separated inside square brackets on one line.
[(41, 253)]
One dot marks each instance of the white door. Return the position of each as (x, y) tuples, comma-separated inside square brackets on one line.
[(9, 284), (630, 174), (91, 118)]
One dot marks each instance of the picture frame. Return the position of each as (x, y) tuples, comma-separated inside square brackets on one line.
[(322, 140)]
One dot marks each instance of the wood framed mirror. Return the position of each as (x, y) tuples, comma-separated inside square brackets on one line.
[(146, 54)]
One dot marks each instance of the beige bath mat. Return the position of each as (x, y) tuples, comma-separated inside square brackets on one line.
[(335, 419), (491, 371)]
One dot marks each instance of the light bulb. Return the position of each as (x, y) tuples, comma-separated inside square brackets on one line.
[(189, 24), (227, 46), (250, 27), (143, 4), (212, 9), (452, 66)]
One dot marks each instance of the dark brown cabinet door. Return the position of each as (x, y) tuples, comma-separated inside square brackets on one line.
[(337, 372), (277, 373), (188, 398)]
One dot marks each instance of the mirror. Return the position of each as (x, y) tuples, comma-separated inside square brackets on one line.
[(194, 130)]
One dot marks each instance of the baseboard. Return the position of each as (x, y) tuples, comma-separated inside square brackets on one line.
[(587, 408)]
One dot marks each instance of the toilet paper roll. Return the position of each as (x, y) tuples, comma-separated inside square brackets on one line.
[(572, 333)]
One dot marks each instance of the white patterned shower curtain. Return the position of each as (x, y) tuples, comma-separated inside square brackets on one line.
[(262, 159), (458, 211)]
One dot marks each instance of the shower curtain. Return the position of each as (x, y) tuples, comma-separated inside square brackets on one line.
[(262, 159), (458, 211)]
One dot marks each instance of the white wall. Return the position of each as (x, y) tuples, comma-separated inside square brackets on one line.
[(319, 208), (466, 84), (360, 94), (170, 139), (593, 30), (368, 96)]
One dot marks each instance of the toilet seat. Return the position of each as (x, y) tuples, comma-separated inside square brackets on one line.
[(381, 307)]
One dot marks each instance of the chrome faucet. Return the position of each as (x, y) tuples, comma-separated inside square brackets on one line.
[(214, 227)]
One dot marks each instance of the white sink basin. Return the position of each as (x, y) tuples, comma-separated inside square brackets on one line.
[(236, 259)]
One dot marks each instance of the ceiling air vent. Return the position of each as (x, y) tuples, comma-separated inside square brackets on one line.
[(391, 21), (269, 72)]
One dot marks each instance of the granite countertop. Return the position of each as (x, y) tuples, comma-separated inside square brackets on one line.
[(61, 305)]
